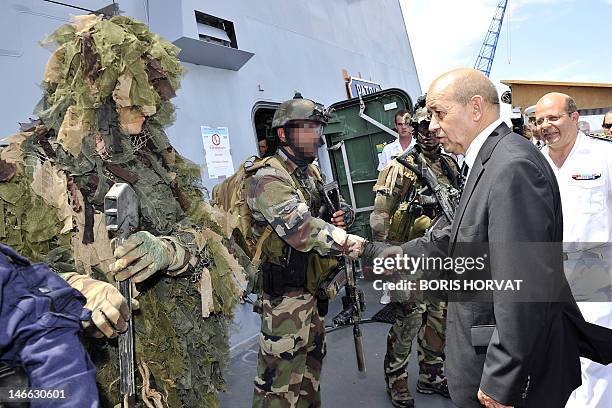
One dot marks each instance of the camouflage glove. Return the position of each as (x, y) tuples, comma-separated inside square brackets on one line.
[(109, 309), (143, 254)]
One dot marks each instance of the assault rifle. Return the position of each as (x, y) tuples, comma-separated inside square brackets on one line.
[(445, 197), (121, 213), (353, 303)]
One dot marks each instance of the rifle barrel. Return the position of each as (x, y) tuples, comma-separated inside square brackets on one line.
[(357, 335), (127, 383)]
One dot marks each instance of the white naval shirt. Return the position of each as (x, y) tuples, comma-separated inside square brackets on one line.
[(586, 197), (391, 151), (586, 191)]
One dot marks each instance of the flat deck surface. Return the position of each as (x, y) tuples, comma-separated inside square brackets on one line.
[(341, 383)]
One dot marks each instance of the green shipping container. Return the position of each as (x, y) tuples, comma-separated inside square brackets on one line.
[(355, 136)]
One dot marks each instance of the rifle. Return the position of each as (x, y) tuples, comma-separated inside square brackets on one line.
[(121, 213), (444, 197), (353, 303)]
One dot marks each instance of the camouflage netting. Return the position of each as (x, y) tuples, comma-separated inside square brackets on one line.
[(104, 79)]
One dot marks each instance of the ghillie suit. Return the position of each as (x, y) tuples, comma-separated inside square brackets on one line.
[(105, 78)]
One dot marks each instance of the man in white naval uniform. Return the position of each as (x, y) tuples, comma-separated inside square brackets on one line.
[(583, 166), (402, 144), (532, 128)]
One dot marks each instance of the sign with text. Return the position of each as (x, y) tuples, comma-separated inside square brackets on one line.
[(217, 148), (361, 87)]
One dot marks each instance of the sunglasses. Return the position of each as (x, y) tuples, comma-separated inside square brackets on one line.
[(607, 125)]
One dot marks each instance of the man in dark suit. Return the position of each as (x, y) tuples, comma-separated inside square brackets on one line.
[(503, 352)]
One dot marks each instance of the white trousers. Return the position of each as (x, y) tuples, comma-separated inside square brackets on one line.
[(595, 391)]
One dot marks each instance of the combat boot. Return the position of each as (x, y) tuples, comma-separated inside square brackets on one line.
[(440, 388), (432, 380), (399, 392)]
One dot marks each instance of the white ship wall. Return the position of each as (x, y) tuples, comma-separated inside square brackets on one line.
[(298, 44)]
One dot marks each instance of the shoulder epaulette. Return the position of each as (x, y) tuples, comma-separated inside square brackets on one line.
[(601, 136)]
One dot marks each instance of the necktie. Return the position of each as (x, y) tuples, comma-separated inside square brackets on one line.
[(464, 174)]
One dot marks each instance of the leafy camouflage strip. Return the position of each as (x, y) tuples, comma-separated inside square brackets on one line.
[(431, 337), (99, 58), (291, 350)]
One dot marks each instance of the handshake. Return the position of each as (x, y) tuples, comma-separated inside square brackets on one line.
[(380, 254)]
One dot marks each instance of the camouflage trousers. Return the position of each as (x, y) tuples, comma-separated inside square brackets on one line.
[(428, 320), (291, 350)]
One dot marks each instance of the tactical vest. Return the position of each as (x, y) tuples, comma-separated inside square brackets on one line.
[(416, 211), (277, 251)]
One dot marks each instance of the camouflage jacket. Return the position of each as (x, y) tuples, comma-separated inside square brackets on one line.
[(274, 200), (398, 213)]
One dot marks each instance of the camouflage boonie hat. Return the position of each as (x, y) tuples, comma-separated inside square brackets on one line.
[(300, 108)]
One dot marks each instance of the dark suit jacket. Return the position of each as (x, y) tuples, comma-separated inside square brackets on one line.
[(524, 354)]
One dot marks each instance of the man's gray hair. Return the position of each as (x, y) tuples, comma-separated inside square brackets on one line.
[(474, 85), (570, 105)]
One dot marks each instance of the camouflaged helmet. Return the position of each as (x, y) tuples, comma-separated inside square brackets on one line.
[(300, 108), (421, 116)]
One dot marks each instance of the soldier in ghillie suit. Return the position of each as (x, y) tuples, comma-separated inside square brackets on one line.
[(106, 102), (401, 214), (284, 195)]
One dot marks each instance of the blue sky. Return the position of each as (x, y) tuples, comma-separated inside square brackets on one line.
[(549, 40)]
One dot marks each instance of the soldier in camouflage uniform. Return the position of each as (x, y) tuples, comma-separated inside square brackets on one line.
[(296, 257), (399, 215), (106, 101)]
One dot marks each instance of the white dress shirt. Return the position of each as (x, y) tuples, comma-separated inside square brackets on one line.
[(476, 145), (391, 151)]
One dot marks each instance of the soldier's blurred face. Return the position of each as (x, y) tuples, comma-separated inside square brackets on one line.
[(556, 126), (426, 139), (305, 137)]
